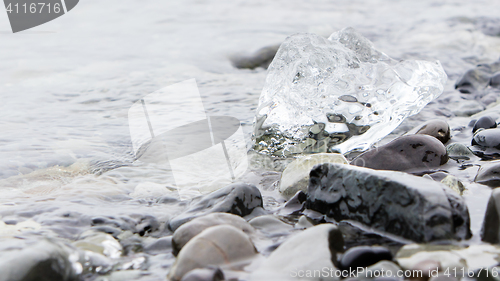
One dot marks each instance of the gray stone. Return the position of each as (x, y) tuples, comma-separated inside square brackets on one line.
[(454, 184), (24, 259), (187, 231), (239, 199), (484, 122), (461, 107), (490, 231), (398, 203), (295, 177), (458, 151), (435, 128), (487, 138), (309, 251), (405, 153), (214, 246), (489, 174), (261, 58), (204, 274), (477, 78), (270, 224)]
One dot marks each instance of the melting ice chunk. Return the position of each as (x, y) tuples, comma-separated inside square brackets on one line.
[(338, 94)]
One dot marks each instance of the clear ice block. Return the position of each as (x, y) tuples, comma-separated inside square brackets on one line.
[(338, 94)]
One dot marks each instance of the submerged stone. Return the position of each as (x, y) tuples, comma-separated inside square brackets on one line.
[(295, 177), (340, 93), (405, 153), (415, 208), (239, 199)]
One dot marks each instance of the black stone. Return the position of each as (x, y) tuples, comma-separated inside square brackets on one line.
[(204, 274), (405, 153), (485, 122), (239, 199), (364, 256), (436, 128), (412, 207), (488, 138)]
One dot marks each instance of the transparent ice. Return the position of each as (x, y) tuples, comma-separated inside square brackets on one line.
[(338, 94)]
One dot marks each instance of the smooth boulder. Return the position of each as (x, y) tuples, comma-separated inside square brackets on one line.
[(308, 251), (487, 138), (435, 128), (214, 246), (405, 153), (489, 174), (413, 207), (295, 177), (187, 231), (484, 122), (239, 199)]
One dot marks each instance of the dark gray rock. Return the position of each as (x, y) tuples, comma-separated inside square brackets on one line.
[(204, 274), (484, 122), (262, 58), (435, 128), (239, 199), (489, 174), (364, 256), (215, 246), (405, 153), (415, 208), (187, 231), (161, 246), (490, 231), (24, 259), (476, 79)]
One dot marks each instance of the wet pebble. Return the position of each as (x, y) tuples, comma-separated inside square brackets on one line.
[(239, 199), (488, 138), (495, 80), (484, 122), (435, 128), (489, 174), (458, 151), (405, 153), (295, 205), (490, 231), (187, 231), (204, 274), (261, 58), (270, 224), (364, 256), (295, 177), (216, 245), (161, 245), (454, 184)]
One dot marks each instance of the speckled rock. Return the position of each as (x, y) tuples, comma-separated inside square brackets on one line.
[(488, 138), (405, 153), (363, 256), (214, 246), (239, 199), (402, 204), (312, 249), (435, 128), (192, 228), (295, 177), (484, 122), (458, 151), (489, 174), (454, 184)]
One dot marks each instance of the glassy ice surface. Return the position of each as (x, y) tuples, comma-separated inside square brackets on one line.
[(338, 94)]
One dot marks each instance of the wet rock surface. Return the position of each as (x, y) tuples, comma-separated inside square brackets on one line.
[(489, 174), (490, 231), (321, 243), (217, 245), (187, 231), (239, 199), (405, 153), (484, 122), (204, 274), (388, 201), (364, 256), (435, 128)]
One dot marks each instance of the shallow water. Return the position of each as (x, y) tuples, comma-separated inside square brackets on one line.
[(68, 84)]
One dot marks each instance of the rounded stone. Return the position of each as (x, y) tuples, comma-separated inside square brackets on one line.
[(484, 122), (364, 256), (270, 224), (495, 80), (187, 231), (488, 138), (204, 274), (489, 174), (458, 151), (405, 153), (435, 128), (295, 177), (214, 246)]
